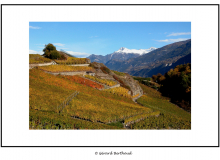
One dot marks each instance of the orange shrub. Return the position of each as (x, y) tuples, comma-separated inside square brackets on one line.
[(84, 82)]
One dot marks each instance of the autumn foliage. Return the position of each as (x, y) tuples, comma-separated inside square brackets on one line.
[(64, 68), (84, 81), (90, 106), (120, 91), (171, 116), (73, 60), (176, 84), (36, 58), (103, 81)]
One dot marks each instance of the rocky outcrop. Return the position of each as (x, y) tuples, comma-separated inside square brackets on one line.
[(125, 81), (133, 84)]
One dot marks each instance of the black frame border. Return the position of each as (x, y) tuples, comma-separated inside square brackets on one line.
[(111, 5)]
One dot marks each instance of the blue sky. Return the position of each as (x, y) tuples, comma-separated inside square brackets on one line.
[(85, 38)]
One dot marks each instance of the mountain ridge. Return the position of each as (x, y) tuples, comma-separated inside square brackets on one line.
[(121, 54), (141, 66)]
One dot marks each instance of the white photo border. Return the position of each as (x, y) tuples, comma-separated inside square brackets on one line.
[(205, 76)]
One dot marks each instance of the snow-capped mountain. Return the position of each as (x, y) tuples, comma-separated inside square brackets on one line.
[(157, 61), (121, 54), (135, 51)]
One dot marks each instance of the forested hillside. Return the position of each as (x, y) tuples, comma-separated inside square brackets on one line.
[(176, 84)]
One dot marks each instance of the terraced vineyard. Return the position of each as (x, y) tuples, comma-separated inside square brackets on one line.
[(85, 82), (140, 117), (64, 68), (119, 73), (73, 60), (120, 91), (97, 109), (103, 81), (171, 116), (90, 106), (39, 119), (36, 58), (104, 110)]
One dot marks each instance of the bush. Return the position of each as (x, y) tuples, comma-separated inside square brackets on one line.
[(48, 49), (177, 85), (105, 70), (54, 55), (155, 87), (154, 78)]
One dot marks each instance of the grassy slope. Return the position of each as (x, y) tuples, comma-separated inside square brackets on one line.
[(36, 58), (171, 117), (48, 91), (65, 68)]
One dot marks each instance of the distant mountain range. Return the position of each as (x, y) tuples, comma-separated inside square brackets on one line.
[(121, 54), (147, 62)]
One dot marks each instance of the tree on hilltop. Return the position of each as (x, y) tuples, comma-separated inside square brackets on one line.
[(51, 52)]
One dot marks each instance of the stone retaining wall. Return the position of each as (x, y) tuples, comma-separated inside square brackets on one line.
[(52, 63), (67, 73), (40, 64)]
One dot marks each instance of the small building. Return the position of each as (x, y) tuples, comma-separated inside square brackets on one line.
[(90, 73), (54, 63)]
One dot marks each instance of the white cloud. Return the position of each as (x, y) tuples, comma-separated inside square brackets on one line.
[(179, 34), (32, 27), (172, 40), (78, 54), (58, 44), (35, 52)]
